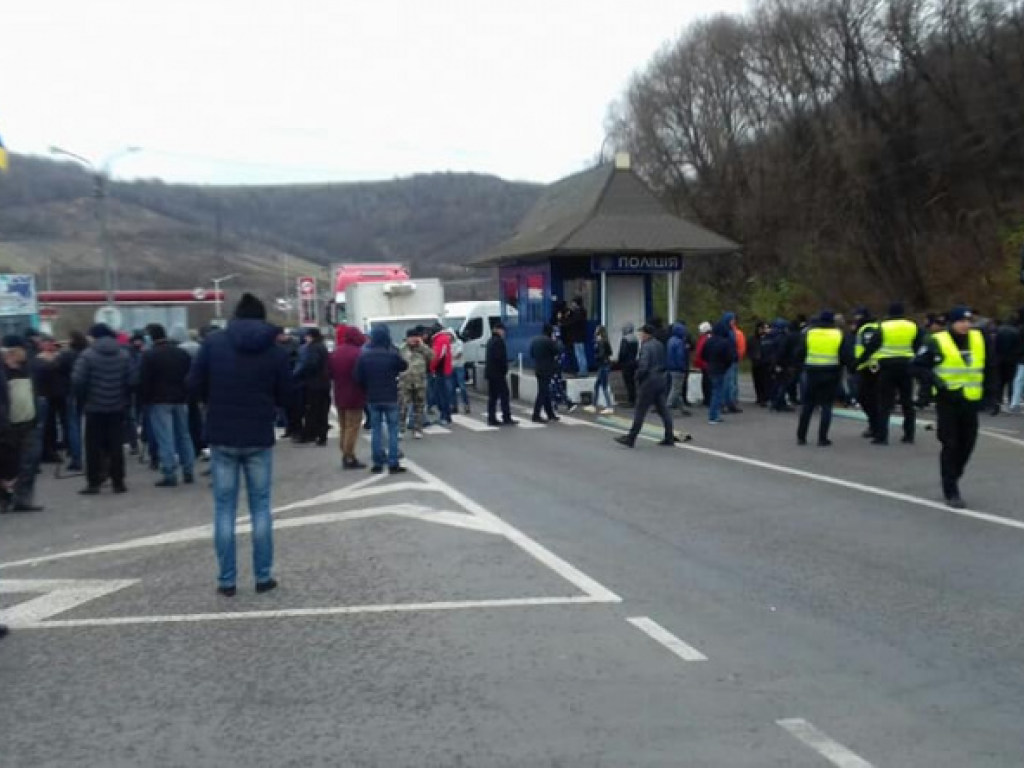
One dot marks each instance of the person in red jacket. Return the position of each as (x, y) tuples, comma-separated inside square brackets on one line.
[(441, 373), (349, 396)]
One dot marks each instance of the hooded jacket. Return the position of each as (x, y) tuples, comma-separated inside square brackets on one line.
[(348, 395), (736, 335), (544, 351), (378, 368), (441, 363), (101, 377), (719, 352), (629, 347), (243, 377), (677, 351)]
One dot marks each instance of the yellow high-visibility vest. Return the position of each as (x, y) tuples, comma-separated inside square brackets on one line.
[(858, 347), (955, 371), (823, 347), (897, 339)]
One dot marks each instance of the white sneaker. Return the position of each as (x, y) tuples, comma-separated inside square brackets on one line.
[(607, 411), (417, 435), (589, 409)]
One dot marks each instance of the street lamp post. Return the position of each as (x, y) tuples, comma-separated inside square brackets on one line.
[(101, 176), (216, 289)]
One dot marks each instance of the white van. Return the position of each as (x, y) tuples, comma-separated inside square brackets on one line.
[(472, 321)]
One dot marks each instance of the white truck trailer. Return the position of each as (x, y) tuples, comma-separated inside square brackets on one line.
[(399, 304)]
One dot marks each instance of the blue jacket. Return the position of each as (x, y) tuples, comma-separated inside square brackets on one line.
[(378, 367), (243, 376), (677, 351)]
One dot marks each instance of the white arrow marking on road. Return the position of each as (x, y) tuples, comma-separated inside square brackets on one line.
[(661, 635), (827, 747), (60, 595)]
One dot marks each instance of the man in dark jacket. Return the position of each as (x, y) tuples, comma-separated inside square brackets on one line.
[(1006, 350), (18, 429), (315, 380), (73, 432), (163, 392), (377, 371), (677, 362), (544, 352), (650, 375), (719, 356), (495, 371), (100, 382), (243, 377), (629, 349), (349, 396), (574, 334)]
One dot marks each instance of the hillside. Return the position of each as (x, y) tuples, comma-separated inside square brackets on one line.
[(164, 236)]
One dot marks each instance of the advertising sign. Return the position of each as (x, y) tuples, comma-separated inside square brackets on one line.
[(18, 295), (306, 287), (637, 263)]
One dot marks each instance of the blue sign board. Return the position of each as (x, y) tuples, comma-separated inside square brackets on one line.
[(637, 263)]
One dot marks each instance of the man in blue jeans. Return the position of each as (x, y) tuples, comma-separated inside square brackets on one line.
[(164, 393), (243, 376), (377, 371)]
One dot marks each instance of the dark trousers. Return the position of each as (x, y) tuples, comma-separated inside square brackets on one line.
[(705, 388), (821, 393), (629, 379), (762, 375), (20, 446), (781, 381), (1007, 372), (893, 380), (295, 413), (104, 448), (867, 394), (543, 399), (56, 415), (652, 395), (497, 390), (317, 407), (958, 432)]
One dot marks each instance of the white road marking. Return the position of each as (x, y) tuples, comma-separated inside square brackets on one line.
[(474, 425), (205, 532), (538, 551), (527, 424), (667, 639), (349, 494), (287, 613), (827, 747), (436, 429), (863, 488), (60, 595)]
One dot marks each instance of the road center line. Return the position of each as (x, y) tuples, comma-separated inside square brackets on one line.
[(661, 635), (828, 748)]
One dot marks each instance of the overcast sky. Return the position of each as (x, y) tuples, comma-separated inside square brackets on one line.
[(246, 91)]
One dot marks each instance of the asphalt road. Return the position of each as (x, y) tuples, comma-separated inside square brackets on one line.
[(536, 597)]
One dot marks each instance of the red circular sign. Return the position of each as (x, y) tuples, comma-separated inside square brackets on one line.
[(306, 286)]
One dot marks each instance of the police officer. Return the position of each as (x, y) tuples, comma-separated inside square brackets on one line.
[(894, 347), (865, 367), (958, 364), (823, 352)]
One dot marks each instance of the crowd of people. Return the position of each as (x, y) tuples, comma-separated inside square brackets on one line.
[(174, 400)]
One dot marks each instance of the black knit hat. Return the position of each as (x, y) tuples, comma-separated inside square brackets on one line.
[(251, 308)]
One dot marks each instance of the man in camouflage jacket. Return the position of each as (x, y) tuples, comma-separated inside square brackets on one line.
[(412, 384)]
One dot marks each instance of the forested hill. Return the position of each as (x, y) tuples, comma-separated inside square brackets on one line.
[(160, 232)]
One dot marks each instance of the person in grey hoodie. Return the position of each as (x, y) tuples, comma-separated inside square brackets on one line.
[(629, 349), (101, 382)]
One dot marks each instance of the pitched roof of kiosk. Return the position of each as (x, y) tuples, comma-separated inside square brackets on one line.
[(607, 209)]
